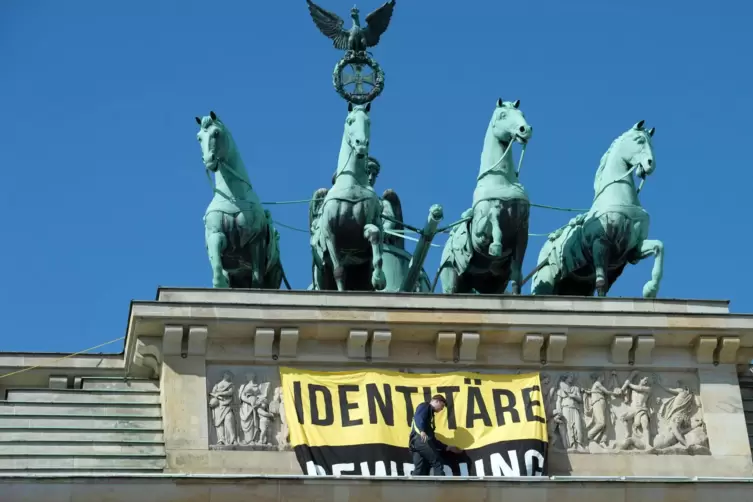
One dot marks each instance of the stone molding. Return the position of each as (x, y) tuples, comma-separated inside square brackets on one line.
[(295, 488), (546, 330)]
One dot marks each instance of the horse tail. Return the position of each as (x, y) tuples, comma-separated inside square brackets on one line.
[(284, 277), (316, 203)]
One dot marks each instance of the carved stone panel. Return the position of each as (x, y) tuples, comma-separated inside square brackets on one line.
[(246, 411), (624, 412), (620, 412), (587, 411)]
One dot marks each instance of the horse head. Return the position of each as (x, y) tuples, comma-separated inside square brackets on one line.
[(636, 150), (215, 141), (509, 124), (358, 129), (631, 151)]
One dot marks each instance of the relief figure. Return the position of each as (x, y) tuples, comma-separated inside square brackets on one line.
[(676, 415), (277, 407), (223, 415), (249, 395), (597, 407), (570, 406), (638, 419)]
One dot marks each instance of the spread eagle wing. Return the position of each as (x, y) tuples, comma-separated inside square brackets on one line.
[(378, 21), (331, 25)]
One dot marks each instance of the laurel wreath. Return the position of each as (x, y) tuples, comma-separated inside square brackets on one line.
[(358, 58)]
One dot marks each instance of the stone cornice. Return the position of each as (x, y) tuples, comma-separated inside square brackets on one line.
[(279, 298), (458, 327)]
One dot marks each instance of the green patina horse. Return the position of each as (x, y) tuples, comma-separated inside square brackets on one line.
[(242, 243), (591, 251), (395, 259), (487, 252), (346, 227)]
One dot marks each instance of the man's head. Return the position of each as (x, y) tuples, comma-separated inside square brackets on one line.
[(438, 402)]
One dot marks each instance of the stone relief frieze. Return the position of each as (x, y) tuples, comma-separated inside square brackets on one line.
[(246, 409), (587, 411), (619, 412)]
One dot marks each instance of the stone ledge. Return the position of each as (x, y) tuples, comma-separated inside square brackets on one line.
[(228, 488), (151, 477), (333, 320), (649, 465), (244, 316), (437, 301)]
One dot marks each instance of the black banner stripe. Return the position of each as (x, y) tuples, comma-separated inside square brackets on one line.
[(525, 457)]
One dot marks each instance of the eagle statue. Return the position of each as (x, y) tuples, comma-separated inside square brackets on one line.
[(358, 38)]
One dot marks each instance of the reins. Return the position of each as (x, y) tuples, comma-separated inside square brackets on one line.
[(504, 154)]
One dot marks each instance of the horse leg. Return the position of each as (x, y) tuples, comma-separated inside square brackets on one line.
[(316, 278), (374, 236), (216, 242), (495, 248), (254, 248), (338, 271), (600, 253), (449, 278), (258, 262), (516, 263), (656, 248)]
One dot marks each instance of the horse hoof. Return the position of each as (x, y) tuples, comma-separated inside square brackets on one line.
[(600, 282), (339, 272), (650, 289), (495, 249), (379, 281)]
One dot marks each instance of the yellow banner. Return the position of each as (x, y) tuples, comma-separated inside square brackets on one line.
[(376, 407)]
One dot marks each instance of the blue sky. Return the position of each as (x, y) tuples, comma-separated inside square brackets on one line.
[(103, 188)]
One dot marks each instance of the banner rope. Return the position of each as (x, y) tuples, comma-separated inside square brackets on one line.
[(396, 234), (23, 370), (542, 206)]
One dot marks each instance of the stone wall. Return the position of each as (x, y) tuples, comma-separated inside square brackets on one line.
[(596, 423), (632, 387)]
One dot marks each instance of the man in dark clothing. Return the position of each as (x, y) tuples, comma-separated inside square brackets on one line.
[(424, 446)]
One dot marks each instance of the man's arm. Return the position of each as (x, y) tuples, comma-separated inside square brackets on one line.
[(421, 417)]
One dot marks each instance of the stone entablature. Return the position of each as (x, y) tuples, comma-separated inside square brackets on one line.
[(637, 350), (317, 327)]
